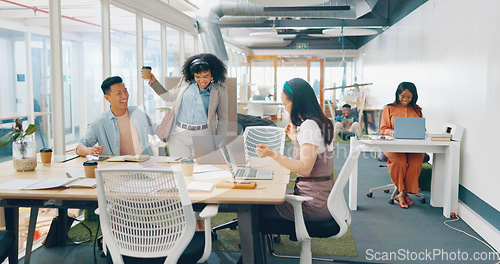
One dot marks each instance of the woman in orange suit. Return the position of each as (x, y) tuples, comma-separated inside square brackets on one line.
[(403, 167)]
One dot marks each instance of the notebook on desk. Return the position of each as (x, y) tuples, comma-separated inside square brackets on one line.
[(255, 174), (409, 128)]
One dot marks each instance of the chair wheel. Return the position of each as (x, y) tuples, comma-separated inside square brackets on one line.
[(369, 195), (391, 201), (422, 200), (277, 239), (386, 191), (214, 235)]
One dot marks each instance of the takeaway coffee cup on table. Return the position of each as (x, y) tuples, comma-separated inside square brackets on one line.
[(146, 72), (89, 166), (46, 155), (187, 166)]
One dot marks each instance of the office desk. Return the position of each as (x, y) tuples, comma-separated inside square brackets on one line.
[(445, 168), (244, 202)]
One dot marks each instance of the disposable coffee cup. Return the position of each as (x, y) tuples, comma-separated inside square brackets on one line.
[(46, 155), (89, 166), (187, 166), (146, 72)]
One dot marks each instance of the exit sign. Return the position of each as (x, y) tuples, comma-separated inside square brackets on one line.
[(302, 45)]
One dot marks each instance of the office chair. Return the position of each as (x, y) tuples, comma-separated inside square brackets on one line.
[(146, 214), (303, 231), (7, 242), (269, 135), (253, 135)]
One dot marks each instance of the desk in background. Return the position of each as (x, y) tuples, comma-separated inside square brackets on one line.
[(445, 168), (244, 202), (262, 108)]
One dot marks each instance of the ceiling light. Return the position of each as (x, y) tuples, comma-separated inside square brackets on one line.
[(287, 2), (270, 34), (335, 32), (306, 8)]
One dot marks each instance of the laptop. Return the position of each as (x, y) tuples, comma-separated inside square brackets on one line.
[(247, 174), (206, 149), (409, 128)]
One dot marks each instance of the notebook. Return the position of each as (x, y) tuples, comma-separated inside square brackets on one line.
[(206, 149), (129, 158), (256, 174), (409, 128)]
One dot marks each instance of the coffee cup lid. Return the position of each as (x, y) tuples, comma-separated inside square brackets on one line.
[(45, 150), (90, 163), (187, 161), (146, 67)]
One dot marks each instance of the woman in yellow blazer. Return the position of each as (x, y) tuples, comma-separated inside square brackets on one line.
[(200, 102)]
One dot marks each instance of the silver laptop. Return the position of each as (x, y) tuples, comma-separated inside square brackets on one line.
[(409, 128), (255, 174), (206, 149)]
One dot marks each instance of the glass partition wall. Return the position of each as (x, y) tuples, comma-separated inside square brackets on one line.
[(27, 85)]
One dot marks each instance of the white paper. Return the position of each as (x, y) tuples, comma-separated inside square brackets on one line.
[(83, 183), (167, 159), (208, 175), (200, 186), (205, 168), (17, 184)]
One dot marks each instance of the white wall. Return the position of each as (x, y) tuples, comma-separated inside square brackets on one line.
[(450, 50)]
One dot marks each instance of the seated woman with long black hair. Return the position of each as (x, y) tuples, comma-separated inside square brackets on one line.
[(312, 133)]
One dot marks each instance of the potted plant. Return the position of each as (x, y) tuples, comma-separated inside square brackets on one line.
[(23, 147)]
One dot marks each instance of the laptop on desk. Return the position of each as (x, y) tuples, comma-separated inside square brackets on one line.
[(247, 174), (206, 149), (409, 128)]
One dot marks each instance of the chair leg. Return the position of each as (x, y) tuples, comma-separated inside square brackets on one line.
[(305, 254), (232, 225), (386, 188)]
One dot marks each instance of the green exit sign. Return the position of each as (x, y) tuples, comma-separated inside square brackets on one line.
[(302, 45)]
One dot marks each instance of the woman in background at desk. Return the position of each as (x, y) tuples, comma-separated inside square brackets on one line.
[(404, 168), (312, 134), (200, 102)]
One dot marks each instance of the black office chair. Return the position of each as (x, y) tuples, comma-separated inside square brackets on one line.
[(7, 242)]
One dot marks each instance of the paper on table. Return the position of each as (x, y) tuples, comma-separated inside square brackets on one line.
[(205, 168), (206, 172), (167, 159), (201, 186), (26, 184), (83, 183)]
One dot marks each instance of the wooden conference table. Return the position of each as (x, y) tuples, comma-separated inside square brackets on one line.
[(445, 168), (244, 202)]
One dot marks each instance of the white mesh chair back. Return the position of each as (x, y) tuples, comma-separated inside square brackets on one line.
[(144, 212), (336, 200), (269, 135)]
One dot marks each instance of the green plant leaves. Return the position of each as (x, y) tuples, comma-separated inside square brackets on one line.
[(17, 133), (5, 140), (30, 130)]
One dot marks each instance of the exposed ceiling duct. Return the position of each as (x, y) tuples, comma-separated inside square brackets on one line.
[(209, 16)]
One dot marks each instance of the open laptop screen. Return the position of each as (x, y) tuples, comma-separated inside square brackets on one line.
[(409, 128)]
